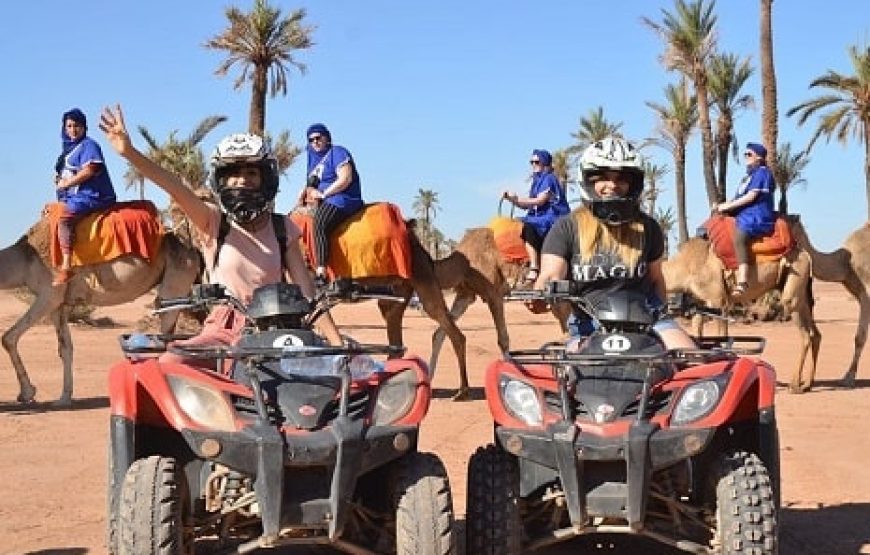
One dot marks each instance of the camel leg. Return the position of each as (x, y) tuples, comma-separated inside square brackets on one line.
[(433, 304), (848, 379), (392, 312), (796, 298), (60, 319), (43, 304), (460, 304), (811, 340)]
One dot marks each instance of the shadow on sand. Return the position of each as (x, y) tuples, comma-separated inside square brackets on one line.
[(87, 403)]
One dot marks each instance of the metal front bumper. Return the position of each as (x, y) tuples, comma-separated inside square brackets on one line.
[(568, 451)]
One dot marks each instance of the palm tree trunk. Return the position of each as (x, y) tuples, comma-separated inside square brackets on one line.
[(257, 115), (723, 147), (700, 79), (680, 185), (769, 112)]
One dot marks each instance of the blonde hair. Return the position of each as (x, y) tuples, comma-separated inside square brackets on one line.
[(626, 240)]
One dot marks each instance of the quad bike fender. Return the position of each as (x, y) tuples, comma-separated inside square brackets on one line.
[(139, 392), (539, 376), (750, 388), (420, 406)]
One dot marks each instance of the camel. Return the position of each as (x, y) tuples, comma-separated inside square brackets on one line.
[(696, 269), (119, 281), (476, 269), (850, 266), (422, 280)]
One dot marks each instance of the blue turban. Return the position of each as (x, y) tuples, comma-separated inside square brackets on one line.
[(544, 156), (318, 128), (77, 116), (758, 149)]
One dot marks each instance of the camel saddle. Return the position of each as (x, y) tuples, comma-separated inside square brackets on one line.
[(371, 243), (132, 227), (508, 239), (770, 248)]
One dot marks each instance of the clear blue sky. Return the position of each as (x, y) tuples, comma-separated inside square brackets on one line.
[(447, 95)]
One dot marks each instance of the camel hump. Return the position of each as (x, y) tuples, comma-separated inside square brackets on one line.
[(373, 242), (770, 248)]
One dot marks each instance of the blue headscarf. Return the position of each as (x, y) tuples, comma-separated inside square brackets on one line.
[(544, 156), (68, 143), (314, 156)]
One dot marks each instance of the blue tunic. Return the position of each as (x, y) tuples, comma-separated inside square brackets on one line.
[(757, 219), (94, 194), (325, 166), (543, 217)]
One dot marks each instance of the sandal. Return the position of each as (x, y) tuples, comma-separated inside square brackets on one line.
[(740, 289)]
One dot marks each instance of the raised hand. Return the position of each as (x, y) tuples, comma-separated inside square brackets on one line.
[(112, 124)]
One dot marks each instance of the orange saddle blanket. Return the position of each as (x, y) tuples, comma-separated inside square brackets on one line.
[(371, 243), (126, 228), (720, 230), (508, 239)]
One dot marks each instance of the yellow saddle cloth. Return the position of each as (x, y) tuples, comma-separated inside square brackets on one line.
[(371, 243), (125, 228), (508, 239)]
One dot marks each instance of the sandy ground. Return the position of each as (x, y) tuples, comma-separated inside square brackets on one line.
[(52, 461)]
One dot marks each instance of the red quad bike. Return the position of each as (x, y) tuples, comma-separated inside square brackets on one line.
[(293, 444), (618, 435)]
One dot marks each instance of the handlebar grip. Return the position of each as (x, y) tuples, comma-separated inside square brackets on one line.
[(171, 302)]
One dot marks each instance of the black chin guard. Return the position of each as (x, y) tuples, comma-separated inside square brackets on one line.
[(616, 211), (243, 205)]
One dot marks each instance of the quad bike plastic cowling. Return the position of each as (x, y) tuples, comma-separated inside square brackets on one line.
[(146, 419), (604, 465)]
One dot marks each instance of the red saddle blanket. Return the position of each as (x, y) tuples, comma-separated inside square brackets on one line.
[(126, 228), (771, 248), (371, 243), (508, 239)]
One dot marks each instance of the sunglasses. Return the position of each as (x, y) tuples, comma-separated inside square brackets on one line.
[(535, 162), (314, 138), (749, 154)]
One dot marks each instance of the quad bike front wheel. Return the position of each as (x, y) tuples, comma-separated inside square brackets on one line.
[(423, 505), (151, 509), (746, 512), (493, 524)]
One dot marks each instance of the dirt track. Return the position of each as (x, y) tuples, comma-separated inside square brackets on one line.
[(53, 462)]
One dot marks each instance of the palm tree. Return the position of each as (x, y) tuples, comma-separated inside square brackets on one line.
[(677, 118), (425, 205), (652, 175), (789, 167), (593, 128), (769, 111), (726, 75), (562, 167), (262, 42), (690, 39), (666, 221), (183, 158), (849, 108), (285, 151)]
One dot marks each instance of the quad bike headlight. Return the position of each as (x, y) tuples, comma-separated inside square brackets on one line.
[(521, 400), (395, 398), (204, 405), (697, 401)]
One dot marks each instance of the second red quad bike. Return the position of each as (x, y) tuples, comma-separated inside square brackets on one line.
[(615, 434), (280, 439)]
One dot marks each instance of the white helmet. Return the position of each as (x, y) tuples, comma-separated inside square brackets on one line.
[(243, 149), (612, 154)]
